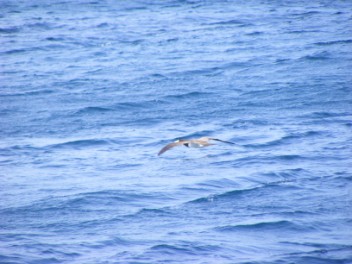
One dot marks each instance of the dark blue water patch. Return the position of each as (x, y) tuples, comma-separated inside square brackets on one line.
[(321, 253), (63, 42), (103, 25), (93, 110), (39, 26), (184, 249), (286, 214), (137, 105), (14, 51), (70, 212), (108, 198), (274, 226), (255, 33), (326, 118), (319, 246), (302, 31), (56, 39), (208, 72), (10, 30), (232, 22), (317, 257), (11, 259), (80, 144), (44, 252), (318, 56), (239, 65), (334, 42), (142, 121), (32, 50), (16, 149), (146, 213), (114, 241), (241, 193), (272, 159), (184, 252), (292, 138), (45, 91), (18, 259), (218, 184), (321, 115), (210, 186), (289, 175), (245, 123), (308, 13), (188, 96)]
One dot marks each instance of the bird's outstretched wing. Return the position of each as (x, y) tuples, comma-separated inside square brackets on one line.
[(169, 146), (228, 142)]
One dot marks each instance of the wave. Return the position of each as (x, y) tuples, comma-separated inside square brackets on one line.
[(59, 39), (14, 51), (188, 95), (302, 31), (305, 258), (29, 93), (82, 143), (220, 183), (208, 71), (93, 109), (307, 13), (15, 148), (39, 25), (287, 139), (147, 104), (261, 226), (318, 253), (324, 55), (29, 49), (29, 26), (186, 248), (334, 42), (319, 115), (147, 213), (248, 123), (287, 174), (265, 159), (10, 30), (255, 33), (230, 195), (17, 259), (115, 241), (236, 22), (87, 202)]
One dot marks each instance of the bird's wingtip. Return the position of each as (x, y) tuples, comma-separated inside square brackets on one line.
[(216, 139)]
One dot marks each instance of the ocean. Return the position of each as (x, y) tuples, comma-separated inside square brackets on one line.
[(90, 91)]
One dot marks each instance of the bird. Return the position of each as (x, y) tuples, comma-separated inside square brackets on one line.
[(192, 143)]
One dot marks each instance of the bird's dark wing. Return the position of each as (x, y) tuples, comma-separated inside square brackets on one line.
[(169, 146), (228, 142)]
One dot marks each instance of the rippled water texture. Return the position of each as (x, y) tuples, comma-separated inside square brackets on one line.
[(92, 90)]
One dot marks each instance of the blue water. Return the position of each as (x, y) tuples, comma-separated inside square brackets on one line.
[(92, 90)]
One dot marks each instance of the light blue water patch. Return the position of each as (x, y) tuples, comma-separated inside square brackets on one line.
[(90, 92)]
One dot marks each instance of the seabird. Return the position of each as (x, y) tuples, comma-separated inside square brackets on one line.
[(192, 143)]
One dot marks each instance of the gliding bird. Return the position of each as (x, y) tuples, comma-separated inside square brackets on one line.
[(192, 143)]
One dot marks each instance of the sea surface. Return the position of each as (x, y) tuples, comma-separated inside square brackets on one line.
[(90, 91)]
